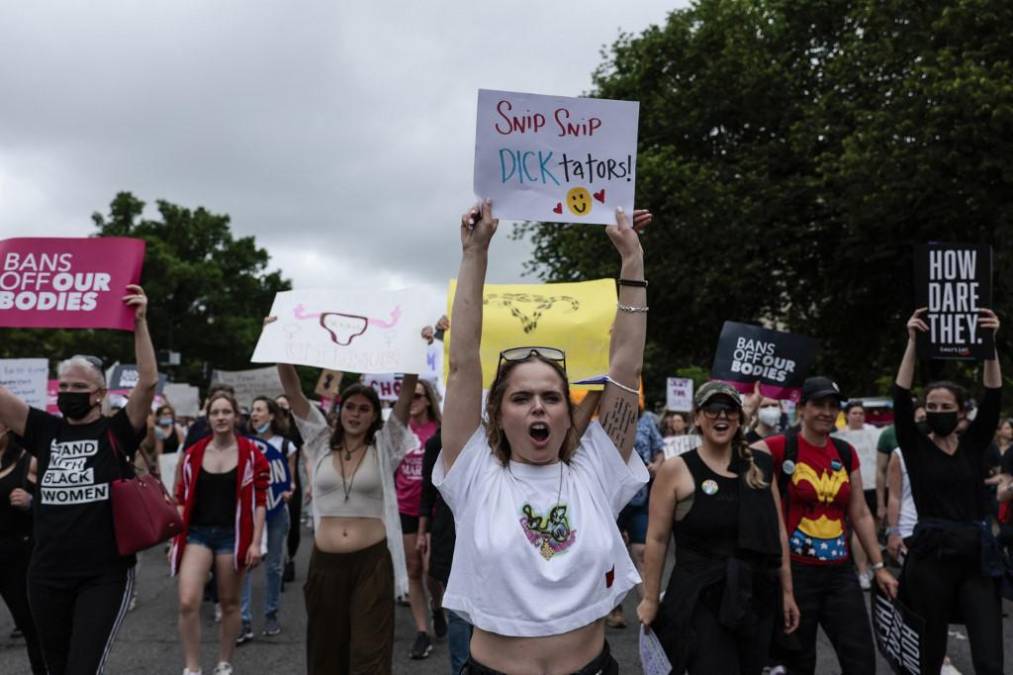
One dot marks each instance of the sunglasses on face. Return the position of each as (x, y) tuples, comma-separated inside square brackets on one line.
[(713, 409), (522, 353)]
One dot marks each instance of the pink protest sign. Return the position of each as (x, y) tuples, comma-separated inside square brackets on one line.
[(68, 282)]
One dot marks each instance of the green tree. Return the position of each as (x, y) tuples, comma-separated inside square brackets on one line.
[(208, 290), (793, 152)]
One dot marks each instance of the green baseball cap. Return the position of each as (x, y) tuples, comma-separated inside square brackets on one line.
[(716, 388)]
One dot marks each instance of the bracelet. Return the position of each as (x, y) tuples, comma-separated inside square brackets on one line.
[(893, 530), (877, 566), (639, 283), (631, 309), (622, 386)]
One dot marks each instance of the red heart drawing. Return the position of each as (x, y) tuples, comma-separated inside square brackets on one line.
[(558, 208), (600, 195)]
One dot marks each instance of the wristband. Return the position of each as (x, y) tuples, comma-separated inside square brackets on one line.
[(877, 566), (631, 309), (639, 283)]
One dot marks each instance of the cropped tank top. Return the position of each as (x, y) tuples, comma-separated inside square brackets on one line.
[(364, 487), (215, 505), (711, 526)]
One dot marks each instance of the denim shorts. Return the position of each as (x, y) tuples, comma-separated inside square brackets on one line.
[(221, 540)]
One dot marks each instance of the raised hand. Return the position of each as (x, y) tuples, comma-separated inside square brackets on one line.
[(916, 324), (625, 235), (137, 300), (988, 320), (478, 226)]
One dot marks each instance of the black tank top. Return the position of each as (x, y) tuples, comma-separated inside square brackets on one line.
[(171, 442), (216, 499), (14, 523), (712, 525)]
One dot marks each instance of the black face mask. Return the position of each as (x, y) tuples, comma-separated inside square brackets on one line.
[(923, 427), (942, 423), (74, 405)]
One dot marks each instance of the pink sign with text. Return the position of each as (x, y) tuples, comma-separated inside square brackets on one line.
[(50, 282)]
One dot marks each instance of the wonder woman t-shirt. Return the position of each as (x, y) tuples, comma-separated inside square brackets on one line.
[(818, 493)]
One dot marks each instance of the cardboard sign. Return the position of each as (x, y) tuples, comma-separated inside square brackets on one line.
[(184, 398), (249, 384), (574, 317), (898, 633), (954, 281), (26, 379), (68, 282), (556, 159), (679, 394), (387, 385), (780, 361), (351, 331), (328, 384)]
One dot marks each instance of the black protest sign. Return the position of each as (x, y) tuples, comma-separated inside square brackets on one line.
[(898, 633), (124, 377), (954, 281), (780, 361)]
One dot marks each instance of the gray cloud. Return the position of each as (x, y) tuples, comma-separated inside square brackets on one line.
[(339, 134)]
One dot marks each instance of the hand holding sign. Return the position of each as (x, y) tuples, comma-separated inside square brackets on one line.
[(478, 226), (624, 235), (137, 300)]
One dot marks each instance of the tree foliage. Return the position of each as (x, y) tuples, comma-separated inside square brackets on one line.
[(208, 292), (793, 152)]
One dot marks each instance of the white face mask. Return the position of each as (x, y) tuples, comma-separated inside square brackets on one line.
[(769, 416)]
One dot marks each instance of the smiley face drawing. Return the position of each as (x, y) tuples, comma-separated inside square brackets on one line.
[(578, 200)]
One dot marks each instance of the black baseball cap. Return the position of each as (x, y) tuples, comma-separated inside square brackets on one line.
[(821, 387)]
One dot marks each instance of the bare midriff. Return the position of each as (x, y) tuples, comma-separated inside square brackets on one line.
[(553, 655), (347, 535)]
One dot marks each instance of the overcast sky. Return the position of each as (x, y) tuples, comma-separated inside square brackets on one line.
[(340, 134)]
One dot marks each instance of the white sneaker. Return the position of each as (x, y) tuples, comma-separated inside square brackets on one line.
[(218, 612), (948, 668), (187, 671), (223, 668), (865, 580)]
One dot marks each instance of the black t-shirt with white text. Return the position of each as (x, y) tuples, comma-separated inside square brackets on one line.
[(74, 535)]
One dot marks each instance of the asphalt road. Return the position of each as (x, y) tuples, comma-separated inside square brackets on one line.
[(148, 644)]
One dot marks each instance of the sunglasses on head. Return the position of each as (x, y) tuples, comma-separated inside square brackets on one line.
[(522, 353), (93, 360)]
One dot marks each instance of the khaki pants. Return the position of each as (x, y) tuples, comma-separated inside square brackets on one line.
[(350, 606)]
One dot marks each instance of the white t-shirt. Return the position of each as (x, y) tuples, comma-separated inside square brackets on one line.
[(908, 516), (524, 568), (864, 442)]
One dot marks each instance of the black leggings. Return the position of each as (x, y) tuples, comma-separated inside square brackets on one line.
[(14, 590), (78, 618), (829, 596), (934, 589)]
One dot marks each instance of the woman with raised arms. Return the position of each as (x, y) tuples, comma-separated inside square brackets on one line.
[(358, 561), (536, 488)]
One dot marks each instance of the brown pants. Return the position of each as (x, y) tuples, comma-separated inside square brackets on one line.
[(350, 606)]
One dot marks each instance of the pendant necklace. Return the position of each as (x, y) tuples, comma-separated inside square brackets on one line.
[(346, 485)]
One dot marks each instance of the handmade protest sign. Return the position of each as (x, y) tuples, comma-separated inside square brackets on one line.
[(954, 281), (328, 384), (679, 394), (68, 282), (898, 633), (574, 317), (249, 384), (553, 158), (780, 361), (26, 379), (357, 331), (387, 385), (184, 398)]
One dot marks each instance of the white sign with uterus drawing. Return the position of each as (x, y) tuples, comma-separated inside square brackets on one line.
[(351, 331)]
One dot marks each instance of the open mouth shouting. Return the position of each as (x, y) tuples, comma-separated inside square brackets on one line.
[(722, 426), (539, 433)]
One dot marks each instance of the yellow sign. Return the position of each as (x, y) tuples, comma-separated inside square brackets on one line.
[(574, 317)]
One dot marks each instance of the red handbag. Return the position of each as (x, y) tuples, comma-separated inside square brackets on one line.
[(144, 514)]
